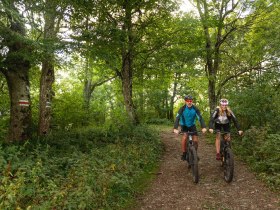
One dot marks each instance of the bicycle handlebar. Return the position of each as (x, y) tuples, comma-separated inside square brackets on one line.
[(227, 132), (189, 132)]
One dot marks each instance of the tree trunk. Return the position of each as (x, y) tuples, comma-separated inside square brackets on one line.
[(46, 94), (87, 85), (211, 95), (47, 74), (211, 71), (16, 68), (214, 40), (127, 58), (174, 92), (88, 75), (127, 89), (20, 111), (87, 93), (141, 107), (210, 67)]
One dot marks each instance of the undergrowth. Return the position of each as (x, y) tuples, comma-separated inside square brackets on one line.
[(261, 151), (93, 168)]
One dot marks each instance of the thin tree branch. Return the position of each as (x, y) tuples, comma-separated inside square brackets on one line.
[(93, 86), (223, 83)]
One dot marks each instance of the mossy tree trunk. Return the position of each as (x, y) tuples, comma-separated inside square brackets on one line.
[(47, 73), (127, 59), (16, 67), (20, 111)]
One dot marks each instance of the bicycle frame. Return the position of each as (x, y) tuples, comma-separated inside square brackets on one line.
[(192, 159), (227, 157)]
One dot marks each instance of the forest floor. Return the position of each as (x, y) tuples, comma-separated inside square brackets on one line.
[(173, 187)]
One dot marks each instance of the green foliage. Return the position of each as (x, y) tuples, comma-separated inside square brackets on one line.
[(261, 150), (93, 168), (166, 50), (258, 104), (68, 109), (4, 122), (4, 107)]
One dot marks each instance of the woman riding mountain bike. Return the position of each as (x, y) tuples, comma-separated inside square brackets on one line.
[(220, 120)]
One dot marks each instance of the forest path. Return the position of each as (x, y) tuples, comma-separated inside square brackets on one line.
[(173, 187)]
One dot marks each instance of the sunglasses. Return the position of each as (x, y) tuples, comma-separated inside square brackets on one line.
[(224, 101), (189, 101)]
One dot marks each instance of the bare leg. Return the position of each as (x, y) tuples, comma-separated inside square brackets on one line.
[(195, 141), (184, 146), (218, 143), (183, 142)]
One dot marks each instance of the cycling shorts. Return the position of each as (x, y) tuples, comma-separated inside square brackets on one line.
[(222, 127), (185, 129)]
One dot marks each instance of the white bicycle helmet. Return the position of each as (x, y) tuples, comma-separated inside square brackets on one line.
[(224, 102)]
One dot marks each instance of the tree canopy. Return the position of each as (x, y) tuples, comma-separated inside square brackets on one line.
[(134, 61), (83, 82)]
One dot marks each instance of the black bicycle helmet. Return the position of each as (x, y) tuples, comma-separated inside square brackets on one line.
[(188, 97)]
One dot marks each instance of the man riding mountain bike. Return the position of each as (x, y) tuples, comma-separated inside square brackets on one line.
[(186, 117)]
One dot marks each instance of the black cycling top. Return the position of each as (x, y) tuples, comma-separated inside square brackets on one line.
[(223, 119)]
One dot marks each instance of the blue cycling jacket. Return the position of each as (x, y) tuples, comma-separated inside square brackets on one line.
[(187, 116)]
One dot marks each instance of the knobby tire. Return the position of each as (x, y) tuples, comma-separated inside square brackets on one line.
[(193, 161), (228, 165)]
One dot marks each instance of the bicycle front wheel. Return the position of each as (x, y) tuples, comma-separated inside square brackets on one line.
[(228, 165), (194, 164)]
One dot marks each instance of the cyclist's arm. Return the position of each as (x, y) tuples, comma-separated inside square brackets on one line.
[(234, 119), (177, 119), (200, 118), (212, 118)]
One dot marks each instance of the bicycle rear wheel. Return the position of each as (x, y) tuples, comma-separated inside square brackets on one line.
[(193, 161), (228, 165)]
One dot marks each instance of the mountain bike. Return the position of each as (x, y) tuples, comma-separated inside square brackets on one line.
[(227, 157), (192, 158)]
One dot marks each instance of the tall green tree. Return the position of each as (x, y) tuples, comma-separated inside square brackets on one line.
[(53, 14), (258, 90), (15, 66), (117, 29), (219, 20), (95, 72)]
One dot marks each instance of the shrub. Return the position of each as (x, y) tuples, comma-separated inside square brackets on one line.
[(261, 150), (90, 168)]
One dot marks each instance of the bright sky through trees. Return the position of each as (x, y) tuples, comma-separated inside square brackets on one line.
[(186, 6)]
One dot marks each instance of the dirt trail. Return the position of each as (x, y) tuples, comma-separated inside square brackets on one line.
[(174, 189)]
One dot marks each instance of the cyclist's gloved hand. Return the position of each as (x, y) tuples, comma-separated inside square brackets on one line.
[(175, 131), (211, 130), (204, 130), (240, 132)]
